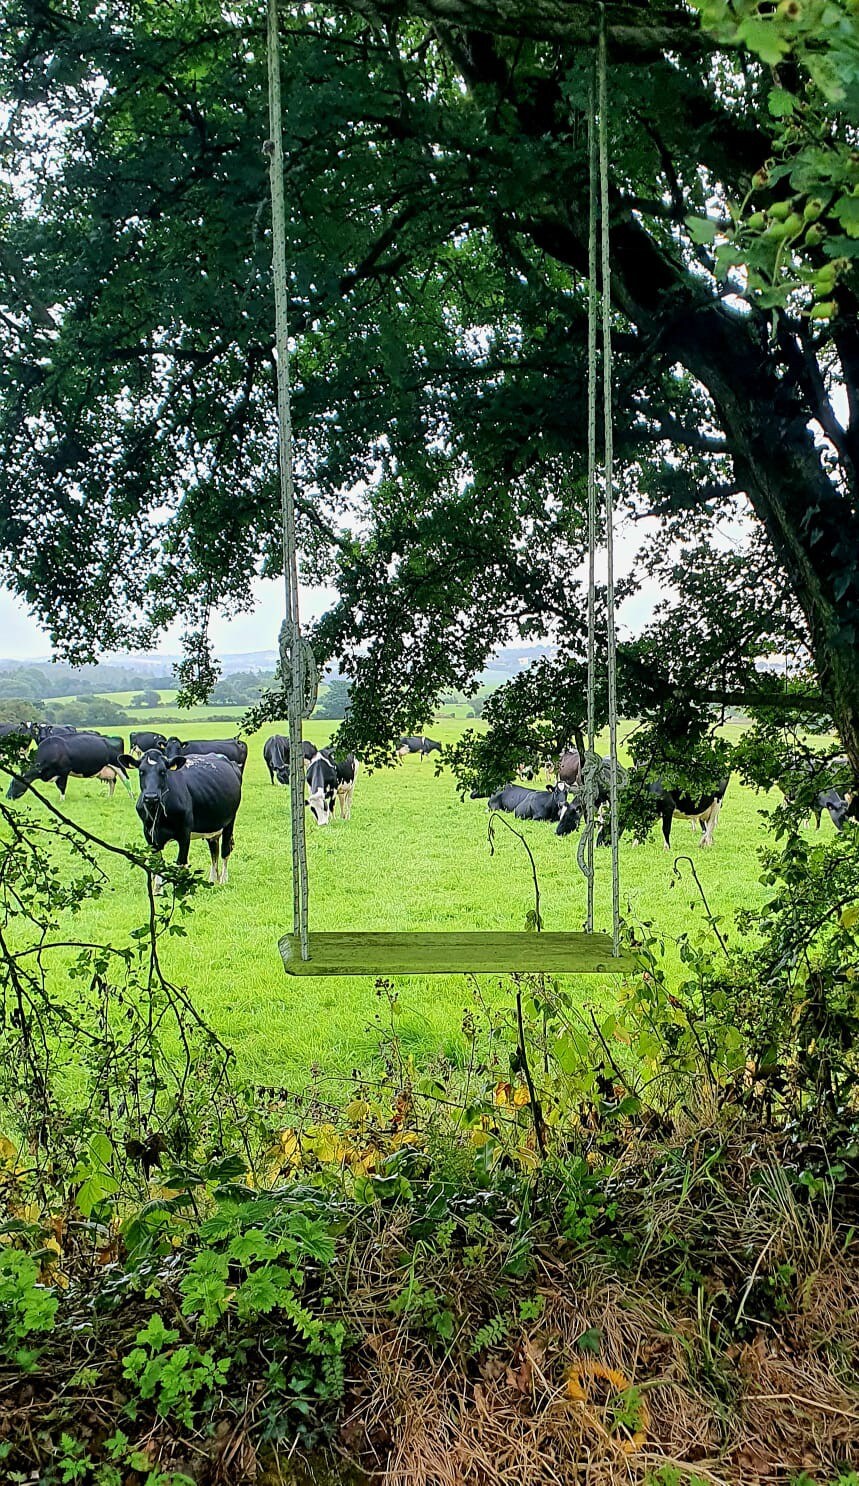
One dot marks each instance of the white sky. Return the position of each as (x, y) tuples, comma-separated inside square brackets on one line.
[(21, 638)]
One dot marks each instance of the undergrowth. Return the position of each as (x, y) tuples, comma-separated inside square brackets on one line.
[(611, 1246)]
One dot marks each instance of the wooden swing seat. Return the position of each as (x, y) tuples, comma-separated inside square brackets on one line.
[(482, 953)]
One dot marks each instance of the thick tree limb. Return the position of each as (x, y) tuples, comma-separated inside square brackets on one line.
[(631, 31)]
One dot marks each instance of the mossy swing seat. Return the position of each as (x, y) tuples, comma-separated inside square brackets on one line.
[(480, 952)]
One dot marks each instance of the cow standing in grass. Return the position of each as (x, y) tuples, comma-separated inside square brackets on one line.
[(275, 754), (81, 756), (421, 746), (233, 749), (186, 799), (329, 780), (141, 743)]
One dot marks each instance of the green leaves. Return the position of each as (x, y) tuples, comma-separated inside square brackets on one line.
[(702, 229), (781, 103), (205, 1291), (763, 37)]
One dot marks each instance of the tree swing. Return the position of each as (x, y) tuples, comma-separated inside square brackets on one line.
[(486, 952)]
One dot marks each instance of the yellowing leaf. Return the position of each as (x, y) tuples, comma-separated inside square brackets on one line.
[(288, 1148), (521, 1097), (357, 1111), (502, 1094), (850, 916), (405, 1137)]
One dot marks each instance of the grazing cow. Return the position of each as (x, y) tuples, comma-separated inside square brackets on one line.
[(531, 804), (15, 739), (276, 755), (321, 777), (114, 739), (829, 799), (186, 799), (141, 743), (230, 748), (671, 803), (82, 756), (346, 770), (420, 745)]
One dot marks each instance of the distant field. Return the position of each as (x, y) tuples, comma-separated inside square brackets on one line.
[(412, 857)]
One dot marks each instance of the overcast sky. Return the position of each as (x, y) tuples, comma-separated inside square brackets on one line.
[(22, 639)]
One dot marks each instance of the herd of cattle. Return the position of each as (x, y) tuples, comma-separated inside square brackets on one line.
[(188, 791), (192, 790)]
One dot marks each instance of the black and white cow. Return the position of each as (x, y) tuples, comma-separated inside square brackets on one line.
[(276, 755), (536, 804), (420, 745), (46, 730), (328, 780), (230, 748), (671, 804), (141, 743), (82, 756), (186, 799), (809, 770), (114, 739), (16, 739)]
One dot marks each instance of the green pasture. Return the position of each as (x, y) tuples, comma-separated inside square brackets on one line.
[(411, 857)]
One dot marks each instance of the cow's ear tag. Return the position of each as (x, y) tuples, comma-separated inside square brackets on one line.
[(176, 763)]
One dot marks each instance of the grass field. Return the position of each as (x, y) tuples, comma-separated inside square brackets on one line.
[(412, 857)]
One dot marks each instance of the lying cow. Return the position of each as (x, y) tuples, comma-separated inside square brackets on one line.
[(81, 756), (141, 743), (230, 748), (186, 799), (275, 752), (537, 804), (328, 780), (420, 745)]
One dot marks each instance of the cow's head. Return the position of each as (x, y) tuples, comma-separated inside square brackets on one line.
[(18, 787), (172, 748), (154, 771), (322, 784), (321, 804), (569, 814)]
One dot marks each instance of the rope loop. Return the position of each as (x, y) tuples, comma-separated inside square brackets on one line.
[(308, 666)]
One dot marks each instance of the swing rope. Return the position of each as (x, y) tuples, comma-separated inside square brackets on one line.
[(297, 668), (608, 456), (590, 763), (298, 671), (598, 207)]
